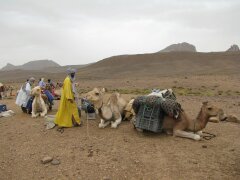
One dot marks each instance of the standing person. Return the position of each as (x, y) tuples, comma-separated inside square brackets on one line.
[(67, 115), (24, 93), (51, 83), (41, 83), (49, 95)]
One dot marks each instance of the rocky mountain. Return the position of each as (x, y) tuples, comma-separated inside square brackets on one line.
[(233, 48), (180, 47), (9, 66), (32, 65)]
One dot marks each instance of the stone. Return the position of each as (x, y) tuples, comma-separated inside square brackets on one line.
[(55, 162), (106, 178), (204, 146), (46, 159), (233, 118)]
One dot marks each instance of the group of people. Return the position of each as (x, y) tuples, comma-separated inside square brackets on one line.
[(68, 113)]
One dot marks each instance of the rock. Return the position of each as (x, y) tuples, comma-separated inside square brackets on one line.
[(233, 48), (114, 159), (136, 161), (204, 146), (106, 178), (180, 47), (46, 159), (90, 153), (233, 118), (55, 162)]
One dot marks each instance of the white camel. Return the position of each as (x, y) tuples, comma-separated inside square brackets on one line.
[(38, 105), (112, 112)]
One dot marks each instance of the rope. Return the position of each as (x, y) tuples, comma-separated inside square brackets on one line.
[(87, 126), (208, 136)]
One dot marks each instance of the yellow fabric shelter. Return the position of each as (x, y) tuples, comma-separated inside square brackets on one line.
[(67, 109)]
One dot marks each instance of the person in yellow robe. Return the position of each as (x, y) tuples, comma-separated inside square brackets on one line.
[(67, 115)]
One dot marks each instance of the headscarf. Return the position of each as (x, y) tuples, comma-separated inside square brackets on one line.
[(32, 79), (69, 72)]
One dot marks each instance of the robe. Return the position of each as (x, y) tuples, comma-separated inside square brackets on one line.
[(24, 95), (66, 109)]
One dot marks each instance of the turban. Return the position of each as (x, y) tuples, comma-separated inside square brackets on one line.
[(71, 71), (31, 79)]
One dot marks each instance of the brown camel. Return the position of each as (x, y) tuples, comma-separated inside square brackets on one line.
[(186, 127)]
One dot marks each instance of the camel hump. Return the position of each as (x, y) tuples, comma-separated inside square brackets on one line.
[(114, 98)]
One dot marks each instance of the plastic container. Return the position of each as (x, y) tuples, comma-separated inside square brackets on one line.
[(149, 118)]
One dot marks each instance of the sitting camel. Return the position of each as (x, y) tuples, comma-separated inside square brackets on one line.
[(185, 127), (112, 112), (38, 105)]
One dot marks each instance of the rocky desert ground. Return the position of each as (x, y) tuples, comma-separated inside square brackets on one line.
[(88, 152)]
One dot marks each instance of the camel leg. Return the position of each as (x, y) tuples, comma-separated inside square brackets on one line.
[(185, 134), (103, 124), (34, 114), (169, 132), (200, 133), (44, 108), (115, 123)]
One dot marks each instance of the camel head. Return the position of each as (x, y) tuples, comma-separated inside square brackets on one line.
[(36, 91), (96, 97), (129, 112), (209, 110)]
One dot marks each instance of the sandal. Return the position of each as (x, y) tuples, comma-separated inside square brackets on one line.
[(60, 129)]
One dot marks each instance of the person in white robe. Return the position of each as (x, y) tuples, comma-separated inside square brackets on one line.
[(24, 93)]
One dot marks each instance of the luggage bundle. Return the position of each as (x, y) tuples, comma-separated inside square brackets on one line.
[(88, 107), (150, 111), (3, 108)]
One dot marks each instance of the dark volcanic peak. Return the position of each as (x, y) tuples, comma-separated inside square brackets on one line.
[(8, 67), (233, 48), (180, 47), (32, 65)]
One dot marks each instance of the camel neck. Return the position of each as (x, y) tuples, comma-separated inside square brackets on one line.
[(199, 123)]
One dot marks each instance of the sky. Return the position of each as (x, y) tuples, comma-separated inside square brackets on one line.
[(85, 31)]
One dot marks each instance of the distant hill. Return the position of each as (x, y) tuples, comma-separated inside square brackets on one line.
[(142, 66), (180, 47), (234, 48), (32, 65), (60, 69), (164, 64)]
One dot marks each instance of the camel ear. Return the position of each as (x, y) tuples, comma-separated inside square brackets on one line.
[(104, 90), (205, 103)]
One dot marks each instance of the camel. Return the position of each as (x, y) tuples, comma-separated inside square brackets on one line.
[(38, 104), (185, 127), (112, 112), (6, 91)]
